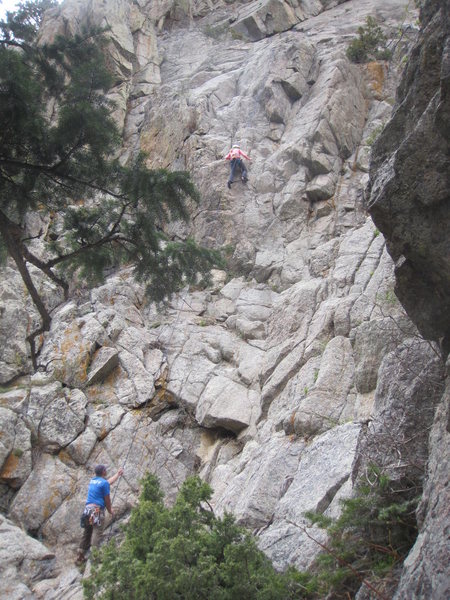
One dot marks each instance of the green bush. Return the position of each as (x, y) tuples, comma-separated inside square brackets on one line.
[(370, 45), (372, 536), (383, 54), (356, 52), (186, 552)]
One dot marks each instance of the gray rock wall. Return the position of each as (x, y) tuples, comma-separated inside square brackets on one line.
[(264, 383), (409, 202), (425, 572), (410, 179)]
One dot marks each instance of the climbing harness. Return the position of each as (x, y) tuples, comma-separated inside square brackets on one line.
[(93, 515)]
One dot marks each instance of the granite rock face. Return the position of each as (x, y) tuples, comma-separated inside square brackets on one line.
[(410, 179), (264, 383), (23, 561), (409, 202), (425, 569)]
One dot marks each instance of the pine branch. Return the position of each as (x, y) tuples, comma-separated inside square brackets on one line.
[(341, 561), (108, 238), (12, 234), (69, 153), (14, 43), (31, 258), (9, 235), (51, 163), (47, 170), (80, 251)]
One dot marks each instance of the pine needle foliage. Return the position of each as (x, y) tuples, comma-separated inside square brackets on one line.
[(369, 45), (370, 538), (57, 146), (187, 553)]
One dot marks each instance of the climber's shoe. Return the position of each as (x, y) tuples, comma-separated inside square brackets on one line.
[(80, 559), (229, 185), (244, 179)]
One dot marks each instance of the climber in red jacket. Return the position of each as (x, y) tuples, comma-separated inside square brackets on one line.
[(234, 155)]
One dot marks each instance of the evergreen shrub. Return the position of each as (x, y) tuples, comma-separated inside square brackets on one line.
[(369, 540), (369, 45), (187, 553)]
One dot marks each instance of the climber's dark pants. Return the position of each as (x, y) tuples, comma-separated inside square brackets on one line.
[(92, 535), (237, 162)]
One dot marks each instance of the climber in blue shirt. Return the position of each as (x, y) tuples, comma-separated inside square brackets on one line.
[(93, 518), (98, 490)]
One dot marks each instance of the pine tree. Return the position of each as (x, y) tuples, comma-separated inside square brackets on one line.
[(57, 147), (370, 538), (187, 553), (370, 44)]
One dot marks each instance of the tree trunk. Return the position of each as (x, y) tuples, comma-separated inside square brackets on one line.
[(13, 242)]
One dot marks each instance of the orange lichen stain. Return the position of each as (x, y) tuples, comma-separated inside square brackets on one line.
[(65, 457), (292, 420), (102, 433), (93, 394), (84, 367), (161, 394), (9, 467), (377, 75), (99, 395), (51, 504), (113, 376), (161, 382), (72, 337), (104, 391), (148, 140)]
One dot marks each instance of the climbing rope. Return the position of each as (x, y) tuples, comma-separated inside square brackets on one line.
[(173, 326), (183, 299)]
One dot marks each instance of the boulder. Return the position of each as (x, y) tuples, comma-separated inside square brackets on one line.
[(227, 404), (407, 375), (372, 340), (15, 449), (101, 422), (82, 446), (62, 420), (49, 485), (260, 19), (251, 487), (104, 361), (23, 560)]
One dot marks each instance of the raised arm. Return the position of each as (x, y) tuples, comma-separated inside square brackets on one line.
[(115, 477)]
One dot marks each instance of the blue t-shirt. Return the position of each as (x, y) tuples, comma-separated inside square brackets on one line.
[(98, 489)]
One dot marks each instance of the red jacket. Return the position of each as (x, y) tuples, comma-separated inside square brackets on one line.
[(236, 153)]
